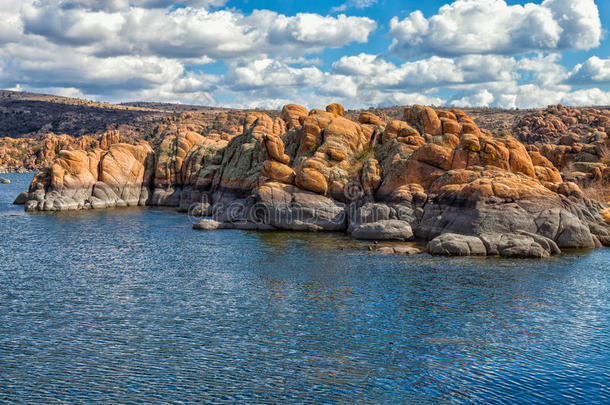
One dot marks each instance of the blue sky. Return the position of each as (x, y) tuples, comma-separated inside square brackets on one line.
[(362, 53)]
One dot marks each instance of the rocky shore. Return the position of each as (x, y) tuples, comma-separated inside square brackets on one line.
[(434, 176)]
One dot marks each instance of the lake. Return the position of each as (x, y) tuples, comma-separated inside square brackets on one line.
[(132, 305)]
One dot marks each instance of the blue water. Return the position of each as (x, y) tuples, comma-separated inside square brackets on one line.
[(131, 305)]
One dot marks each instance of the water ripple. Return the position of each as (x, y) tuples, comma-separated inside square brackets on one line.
[(133, 306)]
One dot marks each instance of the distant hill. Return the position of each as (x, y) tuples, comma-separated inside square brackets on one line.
[(25, 114), (30, 115)]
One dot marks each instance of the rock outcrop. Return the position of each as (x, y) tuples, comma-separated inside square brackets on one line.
[(576, 141), (433, 176), (34, 154), (117, 177)]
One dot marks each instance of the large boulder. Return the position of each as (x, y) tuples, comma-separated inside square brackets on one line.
[(290, 208), (21, 199), (336, 109), (97, 179), (210, 225), (424, 119), (449, 244), (391, 229), (293, 115)]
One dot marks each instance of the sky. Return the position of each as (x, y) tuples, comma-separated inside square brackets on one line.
[(264, 54)]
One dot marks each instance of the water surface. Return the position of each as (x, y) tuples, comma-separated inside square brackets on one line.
[(131, 305)]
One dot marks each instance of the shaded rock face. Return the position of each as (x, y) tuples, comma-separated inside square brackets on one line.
[(21, 199), (434, 176)]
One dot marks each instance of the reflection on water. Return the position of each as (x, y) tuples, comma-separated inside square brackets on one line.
[(132, 305)]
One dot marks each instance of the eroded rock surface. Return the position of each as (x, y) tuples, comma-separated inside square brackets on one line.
[(435, 176)]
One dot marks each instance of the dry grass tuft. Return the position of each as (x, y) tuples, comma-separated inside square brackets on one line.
[(606, 215), (597, 193)]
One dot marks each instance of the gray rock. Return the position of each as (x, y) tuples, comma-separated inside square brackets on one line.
[(573, 234), (31, 205), (290, 208), (211, 225), (450, 244), (21, 198), (385, 250), (375, 212), (519, 245), (200, 210), (397, 250), (390, 229), (168, 197), (567, 229), (251, 226), (406, 250)]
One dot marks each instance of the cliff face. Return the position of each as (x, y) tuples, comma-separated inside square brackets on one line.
[(434, 175)]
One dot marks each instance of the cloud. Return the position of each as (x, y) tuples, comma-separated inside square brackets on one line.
[(360, 4), (480, 99), (40, 65), (271, 77), (513, 95), (12, 26), (374, 71), (545, 70), (469, 80), (142, 50), (587, 97), (193, 32), (493, 27), (470, 53), (116, 5), (592, 71), (264, 82)]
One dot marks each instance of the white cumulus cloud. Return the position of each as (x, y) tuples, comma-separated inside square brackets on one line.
[(494, 27), (192, 32), (592, 71)]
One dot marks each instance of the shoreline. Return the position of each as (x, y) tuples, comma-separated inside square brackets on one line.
[(434, 177), (368, 247)]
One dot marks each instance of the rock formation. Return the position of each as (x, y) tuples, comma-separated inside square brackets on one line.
[(117, 177), (34, 154), (433, 176), (576, 141)]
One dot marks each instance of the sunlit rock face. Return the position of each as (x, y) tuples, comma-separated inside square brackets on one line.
[(434, 176)]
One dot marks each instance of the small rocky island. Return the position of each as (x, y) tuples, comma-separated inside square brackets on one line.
[(433, 176)]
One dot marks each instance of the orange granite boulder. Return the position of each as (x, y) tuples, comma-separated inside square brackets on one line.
[(294, 115), (336, 109)]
